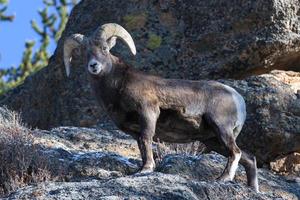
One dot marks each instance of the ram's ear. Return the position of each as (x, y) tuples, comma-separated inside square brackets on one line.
[(111, 42)]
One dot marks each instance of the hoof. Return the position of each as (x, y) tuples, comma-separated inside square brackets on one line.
[(253, 183), (255, 187), (146, 171), (224, 178)]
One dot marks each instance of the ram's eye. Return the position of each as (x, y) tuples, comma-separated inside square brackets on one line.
[(104, 48)]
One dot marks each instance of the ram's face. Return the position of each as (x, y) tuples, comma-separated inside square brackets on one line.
[(97, 47), (98, 59)]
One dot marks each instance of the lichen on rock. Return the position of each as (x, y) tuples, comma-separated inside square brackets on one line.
[(154, 41), (134, 21)]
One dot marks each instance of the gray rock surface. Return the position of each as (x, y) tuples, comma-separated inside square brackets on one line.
[(86, 140), (97, 174), (152, 186), (209, 166)]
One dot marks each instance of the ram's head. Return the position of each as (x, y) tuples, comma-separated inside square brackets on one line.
[(97, 47)]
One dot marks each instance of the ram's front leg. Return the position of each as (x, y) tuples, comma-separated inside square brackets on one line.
[(148, 120)]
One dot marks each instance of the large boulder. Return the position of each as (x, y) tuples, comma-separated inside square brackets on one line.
[(180, 39)]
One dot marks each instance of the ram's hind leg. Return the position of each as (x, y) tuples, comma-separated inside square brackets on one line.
[(247, 160), (227, 139), (234, 155)]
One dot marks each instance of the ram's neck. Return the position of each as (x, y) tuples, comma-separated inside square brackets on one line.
[(107, 87)]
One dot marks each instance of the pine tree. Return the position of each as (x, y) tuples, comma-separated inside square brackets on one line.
[(53, 18), (3, 8), (9, 18)]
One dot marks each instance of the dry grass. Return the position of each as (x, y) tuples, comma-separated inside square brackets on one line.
[(21, 162), (193, 148)]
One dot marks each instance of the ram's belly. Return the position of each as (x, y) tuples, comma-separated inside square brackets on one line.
[(178, 135), (173, 127)]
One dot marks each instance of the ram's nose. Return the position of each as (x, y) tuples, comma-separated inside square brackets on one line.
[(94, 67)]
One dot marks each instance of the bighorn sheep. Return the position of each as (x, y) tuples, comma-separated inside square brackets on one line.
[(150, 107)]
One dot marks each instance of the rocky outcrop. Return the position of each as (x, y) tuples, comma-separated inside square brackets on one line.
[(152, 186), (85, 140), (94, 173)]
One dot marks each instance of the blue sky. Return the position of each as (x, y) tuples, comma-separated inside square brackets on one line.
[(13, 35)]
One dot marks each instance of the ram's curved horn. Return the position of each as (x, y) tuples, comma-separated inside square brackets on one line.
[(71, 43), (109, 30)]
